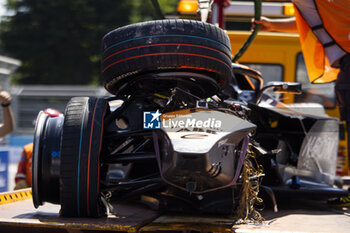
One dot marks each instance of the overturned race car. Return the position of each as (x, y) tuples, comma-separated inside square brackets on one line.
[(186, 130)]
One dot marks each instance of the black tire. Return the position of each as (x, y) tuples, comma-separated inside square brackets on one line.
[(165, 45), (80, 157)]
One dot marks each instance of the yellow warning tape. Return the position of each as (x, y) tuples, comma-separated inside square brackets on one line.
[(13, 196)]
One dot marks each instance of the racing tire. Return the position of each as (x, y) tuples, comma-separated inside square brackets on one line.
[(80, 157), (163, 45)]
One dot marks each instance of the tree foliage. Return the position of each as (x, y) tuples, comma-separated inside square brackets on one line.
[(58, 41)]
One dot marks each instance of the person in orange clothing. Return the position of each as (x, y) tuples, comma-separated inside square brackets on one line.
[(23, 178), (324, 32)]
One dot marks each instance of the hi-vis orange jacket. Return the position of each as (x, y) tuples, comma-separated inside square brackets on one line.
[(24, 170), (335, 22)]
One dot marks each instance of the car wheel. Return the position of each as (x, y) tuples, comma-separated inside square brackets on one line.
[(163, 45), (46, 159), (80, 157)]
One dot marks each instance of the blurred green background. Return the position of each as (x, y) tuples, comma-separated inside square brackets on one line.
[(58, 41)]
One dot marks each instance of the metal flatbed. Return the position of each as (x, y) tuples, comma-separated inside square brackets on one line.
[(17, 214)]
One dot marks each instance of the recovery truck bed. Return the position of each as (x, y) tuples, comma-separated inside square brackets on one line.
[(17, 214)]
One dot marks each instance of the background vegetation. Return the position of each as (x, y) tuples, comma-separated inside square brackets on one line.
[(58, 41)]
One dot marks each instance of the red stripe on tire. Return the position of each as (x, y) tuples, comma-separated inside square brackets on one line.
[(157, 54), (99, 152), (89, 156), (151, 45)]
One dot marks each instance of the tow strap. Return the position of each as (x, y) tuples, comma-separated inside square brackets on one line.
[(245, 46)]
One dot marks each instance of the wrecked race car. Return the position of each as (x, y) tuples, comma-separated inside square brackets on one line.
[(185, 131)]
